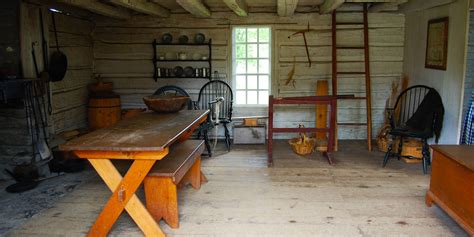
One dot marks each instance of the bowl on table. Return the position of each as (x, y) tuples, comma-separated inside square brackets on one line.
[(166, 103)]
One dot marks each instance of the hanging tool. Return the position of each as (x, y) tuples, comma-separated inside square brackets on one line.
[(44, 75), (58, 60), (303, 32), (291, 74)]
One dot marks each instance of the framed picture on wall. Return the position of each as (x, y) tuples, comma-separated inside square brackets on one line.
[(437, 44)]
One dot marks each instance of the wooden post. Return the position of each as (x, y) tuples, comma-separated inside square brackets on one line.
[(270, 132), (334, 72), (367, 80)]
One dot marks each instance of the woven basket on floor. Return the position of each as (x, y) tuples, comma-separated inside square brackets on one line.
[(302, 145), (383, 138)]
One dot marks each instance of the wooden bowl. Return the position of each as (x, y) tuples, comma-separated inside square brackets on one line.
[(166, 103)]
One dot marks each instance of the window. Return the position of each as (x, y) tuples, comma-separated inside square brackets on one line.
[(251, 65)]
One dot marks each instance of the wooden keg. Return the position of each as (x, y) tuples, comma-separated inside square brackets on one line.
[(104, 110)]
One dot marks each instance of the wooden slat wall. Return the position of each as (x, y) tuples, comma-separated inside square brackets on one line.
[(123, 53), (70, 94)]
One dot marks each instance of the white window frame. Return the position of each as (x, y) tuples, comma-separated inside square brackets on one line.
[(234, 74)]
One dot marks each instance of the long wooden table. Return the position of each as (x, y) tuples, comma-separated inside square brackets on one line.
[(452, 183), (144, 139)]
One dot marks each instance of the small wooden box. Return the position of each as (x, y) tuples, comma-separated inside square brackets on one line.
[(250, 122), (249, 134)]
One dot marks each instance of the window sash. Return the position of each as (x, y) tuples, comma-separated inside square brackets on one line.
[(246, 59)]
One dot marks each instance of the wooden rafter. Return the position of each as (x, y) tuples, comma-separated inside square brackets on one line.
[(238, 6), (195, 7), (413, 6), (99, 8), (286, 7), (329, 6), (378, 7), (143, 6)]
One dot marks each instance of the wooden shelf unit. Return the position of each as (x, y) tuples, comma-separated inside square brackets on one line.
[(156, 61)]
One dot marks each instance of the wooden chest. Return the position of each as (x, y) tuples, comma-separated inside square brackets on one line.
[(452, 183), (249, 134)]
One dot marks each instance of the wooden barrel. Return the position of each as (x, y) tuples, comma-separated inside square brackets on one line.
[(104, 111)]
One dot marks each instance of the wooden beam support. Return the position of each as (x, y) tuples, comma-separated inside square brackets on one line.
[(143, 6), (238, 6), (195, 7), (330, 5), (379, 7), (98, 8), (286, 7)]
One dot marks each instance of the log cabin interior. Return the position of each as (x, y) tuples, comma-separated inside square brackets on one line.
[(237, 117)]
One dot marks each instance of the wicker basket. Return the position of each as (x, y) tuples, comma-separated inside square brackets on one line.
[(302, 145), (383, 138)]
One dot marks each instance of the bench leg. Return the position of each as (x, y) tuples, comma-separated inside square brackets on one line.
[(193, 176), (203, 178), (162, 200)]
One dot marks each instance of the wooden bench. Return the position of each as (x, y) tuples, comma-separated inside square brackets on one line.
[(180, 167)]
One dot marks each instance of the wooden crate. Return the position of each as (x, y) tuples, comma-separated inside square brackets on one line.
[(249, 134), (412, 148)]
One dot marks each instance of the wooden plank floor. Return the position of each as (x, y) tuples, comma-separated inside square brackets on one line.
[(297, 197)]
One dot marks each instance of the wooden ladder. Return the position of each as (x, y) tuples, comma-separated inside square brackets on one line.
[(366, 72)]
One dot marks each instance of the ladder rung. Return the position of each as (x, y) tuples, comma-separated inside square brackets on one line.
[(349, 47), (350, 72), (352, 124), (349, 23)]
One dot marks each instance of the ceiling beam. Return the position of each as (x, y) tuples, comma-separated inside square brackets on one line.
[(330, 5), (286, 7), (238, 6), (414, 6), (379, 7), (99, 8), (143, 6), (195, 7)]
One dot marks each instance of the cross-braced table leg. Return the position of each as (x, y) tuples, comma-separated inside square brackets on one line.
[(124, 197)]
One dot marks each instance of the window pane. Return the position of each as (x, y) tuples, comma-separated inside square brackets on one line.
[(240, 83), (241, 99), (252, 50), (263, 51), (263, 34), (263, 97), (252, 35), (240, 35), (263, 82), (252, 66), (240, 68), (252, 82), (240, 51), (252, 97), (263, 66)]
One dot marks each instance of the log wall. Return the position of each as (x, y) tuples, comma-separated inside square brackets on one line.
[(123, 53), (70, 95)]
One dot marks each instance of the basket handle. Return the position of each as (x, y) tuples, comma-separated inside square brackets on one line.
[(302, 134)]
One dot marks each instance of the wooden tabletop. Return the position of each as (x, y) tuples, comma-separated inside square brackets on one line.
[(148, 131), (463, 154)]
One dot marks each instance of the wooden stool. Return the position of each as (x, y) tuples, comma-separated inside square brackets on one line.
[(182, 166)]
